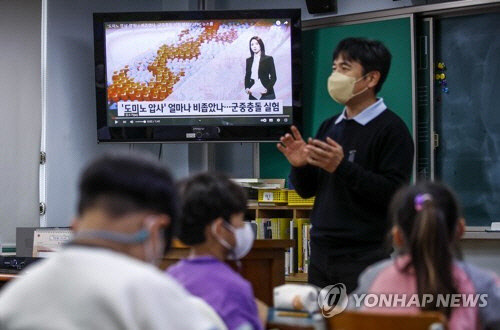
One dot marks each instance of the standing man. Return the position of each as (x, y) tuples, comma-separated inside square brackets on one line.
[(356, 162)]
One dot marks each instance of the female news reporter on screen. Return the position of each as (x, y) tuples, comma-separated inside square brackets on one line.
[(260, 75)]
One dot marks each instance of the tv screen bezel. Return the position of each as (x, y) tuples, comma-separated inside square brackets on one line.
[(177, 133)]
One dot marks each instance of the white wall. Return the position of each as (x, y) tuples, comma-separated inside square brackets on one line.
[(20, 23), (71, 118), (344, 7)]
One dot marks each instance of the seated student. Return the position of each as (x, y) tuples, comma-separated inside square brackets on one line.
[(212, 223), (427, 227), (102, 280)]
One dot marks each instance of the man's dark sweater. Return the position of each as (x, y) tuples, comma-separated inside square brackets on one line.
[(350, 210)]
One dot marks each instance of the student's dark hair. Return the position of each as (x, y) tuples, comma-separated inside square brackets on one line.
[(120, 184), (428, 214), (261, 43), (204, 198), (371, 54)]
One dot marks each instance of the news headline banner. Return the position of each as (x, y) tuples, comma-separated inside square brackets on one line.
[(186, 108)]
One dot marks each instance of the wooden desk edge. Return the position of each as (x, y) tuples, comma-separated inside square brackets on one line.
[(7, 277), (258, 244)]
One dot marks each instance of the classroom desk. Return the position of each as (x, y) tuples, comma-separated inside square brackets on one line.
[(4, 278), (282, 322), (263, 267)]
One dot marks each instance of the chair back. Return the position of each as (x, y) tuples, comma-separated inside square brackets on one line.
[(358, 320)]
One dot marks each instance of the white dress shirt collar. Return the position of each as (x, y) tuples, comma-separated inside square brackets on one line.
[(367, 115)]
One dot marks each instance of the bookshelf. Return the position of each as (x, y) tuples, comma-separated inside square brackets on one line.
[(296, 278), (256, 210)]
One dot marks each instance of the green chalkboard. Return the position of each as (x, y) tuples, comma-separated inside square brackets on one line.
[(318, 46), (467, 117)]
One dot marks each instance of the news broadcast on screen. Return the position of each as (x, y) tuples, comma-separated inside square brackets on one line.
[(193, 76), (189, 69)]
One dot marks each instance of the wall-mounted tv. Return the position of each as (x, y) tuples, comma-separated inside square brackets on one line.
[(197, 76)]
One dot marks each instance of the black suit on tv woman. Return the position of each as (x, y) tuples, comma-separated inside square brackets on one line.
[(267, 76)]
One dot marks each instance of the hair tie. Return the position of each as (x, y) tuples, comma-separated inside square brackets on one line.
[(420, 199)]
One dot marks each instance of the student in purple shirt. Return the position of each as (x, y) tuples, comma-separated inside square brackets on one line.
[(212, 224)]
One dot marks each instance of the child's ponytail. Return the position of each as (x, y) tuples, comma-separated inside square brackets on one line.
[(429, 245), (427, 215)]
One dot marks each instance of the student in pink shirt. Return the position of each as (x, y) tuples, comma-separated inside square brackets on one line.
[(427, 275)]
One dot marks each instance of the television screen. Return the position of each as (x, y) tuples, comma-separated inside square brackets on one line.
[(197, 76)]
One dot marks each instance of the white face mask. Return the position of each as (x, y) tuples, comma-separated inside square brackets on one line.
[(244, 238), (341, 87)]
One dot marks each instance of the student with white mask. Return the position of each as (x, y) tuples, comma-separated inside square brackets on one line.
[(212, 223), (353, 166), (104, 278)]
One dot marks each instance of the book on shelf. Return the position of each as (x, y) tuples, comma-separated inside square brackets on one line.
[(300, 241), (293, 249), (287, 263), (299, 254), (306, 246), (272, 228)]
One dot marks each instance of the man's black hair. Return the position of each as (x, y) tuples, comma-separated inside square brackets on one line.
[(204, 198), (121, 184), (371, 54)]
